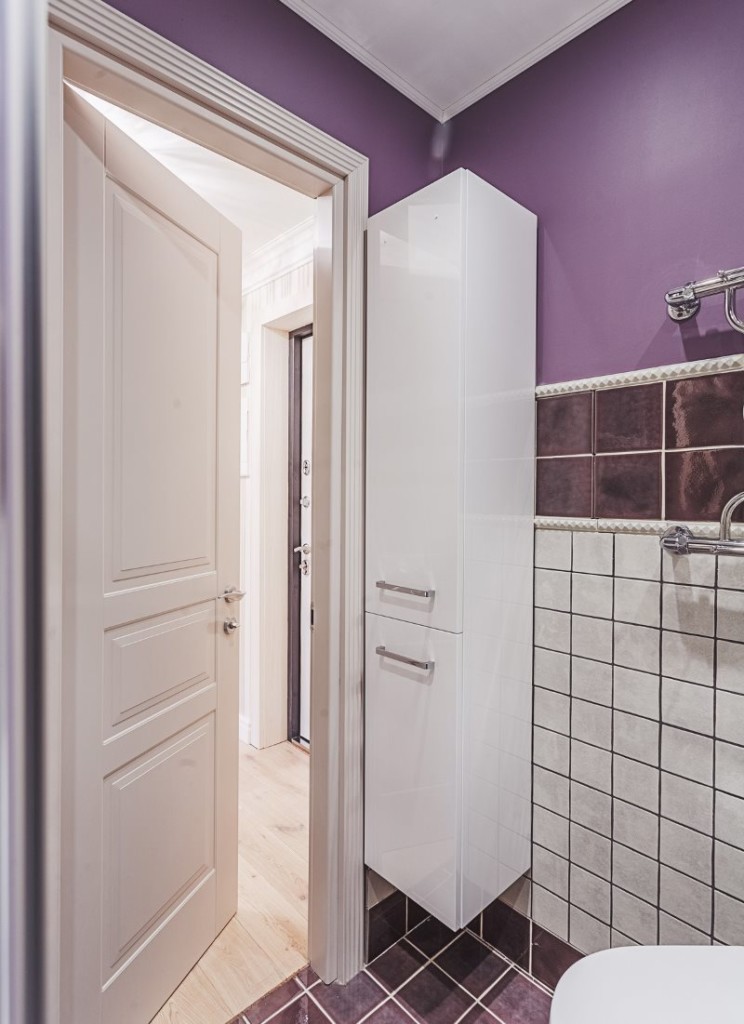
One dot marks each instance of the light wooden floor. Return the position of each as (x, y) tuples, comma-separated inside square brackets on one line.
[(266, 941)]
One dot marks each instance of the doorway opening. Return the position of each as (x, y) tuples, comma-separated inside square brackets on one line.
[(103, 52)]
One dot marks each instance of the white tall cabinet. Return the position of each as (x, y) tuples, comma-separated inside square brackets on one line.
[(450, 503)]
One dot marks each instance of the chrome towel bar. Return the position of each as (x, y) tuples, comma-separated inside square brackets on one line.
[(384, 585), (680, 540), (385, 653)]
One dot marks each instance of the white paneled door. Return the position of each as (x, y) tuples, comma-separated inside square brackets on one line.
[(151, 545)]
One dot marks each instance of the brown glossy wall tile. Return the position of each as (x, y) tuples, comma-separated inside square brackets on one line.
[(627, 486), (564, 424), (698, 484), (629, 419), (706, 411), (564, 487)]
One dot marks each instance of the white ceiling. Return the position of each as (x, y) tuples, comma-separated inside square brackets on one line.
[(445, 55), (263, 209)]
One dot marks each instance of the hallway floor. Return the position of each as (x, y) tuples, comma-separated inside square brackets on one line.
[(266, 942)]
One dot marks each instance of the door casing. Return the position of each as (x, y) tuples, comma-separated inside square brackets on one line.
[(103, 51)]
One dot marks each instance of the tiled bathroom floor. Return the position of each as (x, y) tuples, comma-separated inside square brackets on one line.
[(430, 977)]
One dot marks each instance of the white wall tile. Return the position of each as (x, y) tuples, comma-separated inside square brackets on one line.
[(552, 630), (687, 705), (591, 595), (591, 680), (553, 549), (730, 625), (637, 601), (730, 666), (593, 553), (687, 754), (686, 899), (591, 638), (637, 556), (552, 670), (687, 657), (636, 647), (689, 609), (636, 692), (696, 570)]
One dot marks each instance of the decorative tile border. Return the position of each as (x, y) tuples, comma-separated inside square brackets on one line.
[(699, 367), (637, 526)]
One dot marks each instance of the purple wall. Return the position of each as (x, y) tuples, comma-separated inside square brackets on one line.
[(629, 146), (269, 48)]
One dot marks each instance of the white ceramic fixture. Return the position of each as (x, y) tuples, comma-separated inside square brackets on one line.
[(653, 985), (450, 502)]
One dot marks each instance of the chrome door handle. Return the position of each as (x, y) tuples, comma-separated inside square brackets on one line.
[(385, 653), (384, 585), (232, 594), (231, 625), (304, 548)]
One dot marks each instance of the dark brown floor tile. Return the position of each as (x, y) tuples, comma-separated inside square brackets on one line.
[(564, 424), (389, 1013), (627, 486), (472, 964), (346, 1004), (564, 487), (478, 1015), (307, 976), (302, 1011), (698, 484), (551, 957), (416, 914), (628, 419), (431, 936), (396, 965), (705, 412), (433, 998), (386, 923), (516, 1000), (272, 1001), (476, 925), (508, 931)]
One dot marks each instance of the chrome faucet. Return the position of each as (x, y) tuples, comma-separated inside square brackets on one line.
[(680, 540)]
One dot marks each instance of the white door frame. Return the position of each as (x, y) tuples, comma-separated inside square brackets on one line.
[(113, 56)]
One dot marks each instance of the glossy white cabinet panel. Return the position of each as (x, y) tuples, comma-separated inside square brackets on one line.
[(450, 507), (412, 762), (415, 414)]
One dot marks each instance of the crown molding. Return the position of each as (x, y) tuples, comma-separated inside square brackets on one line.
[(306, 11), (360, 53), (719, 364), (279, 255), (601, 11)]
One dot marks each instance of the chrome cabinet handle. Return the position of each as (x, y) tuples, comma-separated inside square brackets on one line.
[(232, 594), (385, 653), (384, 585)]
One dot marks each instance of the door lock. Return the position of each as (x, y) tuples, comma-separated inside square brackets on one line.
[(305, 567), (304, 501), (231, 625), (306, 467)]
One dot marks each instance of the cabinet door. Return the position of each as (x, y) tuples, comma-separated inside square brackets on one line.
[(414, 407), (412, 751)]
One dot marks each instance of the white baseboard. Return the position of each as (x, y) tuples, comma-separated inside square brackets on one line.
[(244, 729)]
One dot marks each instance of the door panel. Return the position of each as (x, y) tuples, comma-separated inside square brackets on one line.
[(157, 659), (151, 470), (415, 479), (163, 333), (411, 761), (162, 800)]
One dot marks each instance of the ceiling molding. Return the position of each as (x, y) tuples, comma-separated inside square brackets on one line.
[(555, 42), (338, 36), (305, 10)]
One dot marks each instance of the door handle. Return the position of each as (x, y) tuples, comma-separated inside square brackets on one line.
[(232, 594), (231, 625), (385, 653), (304, 548)]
